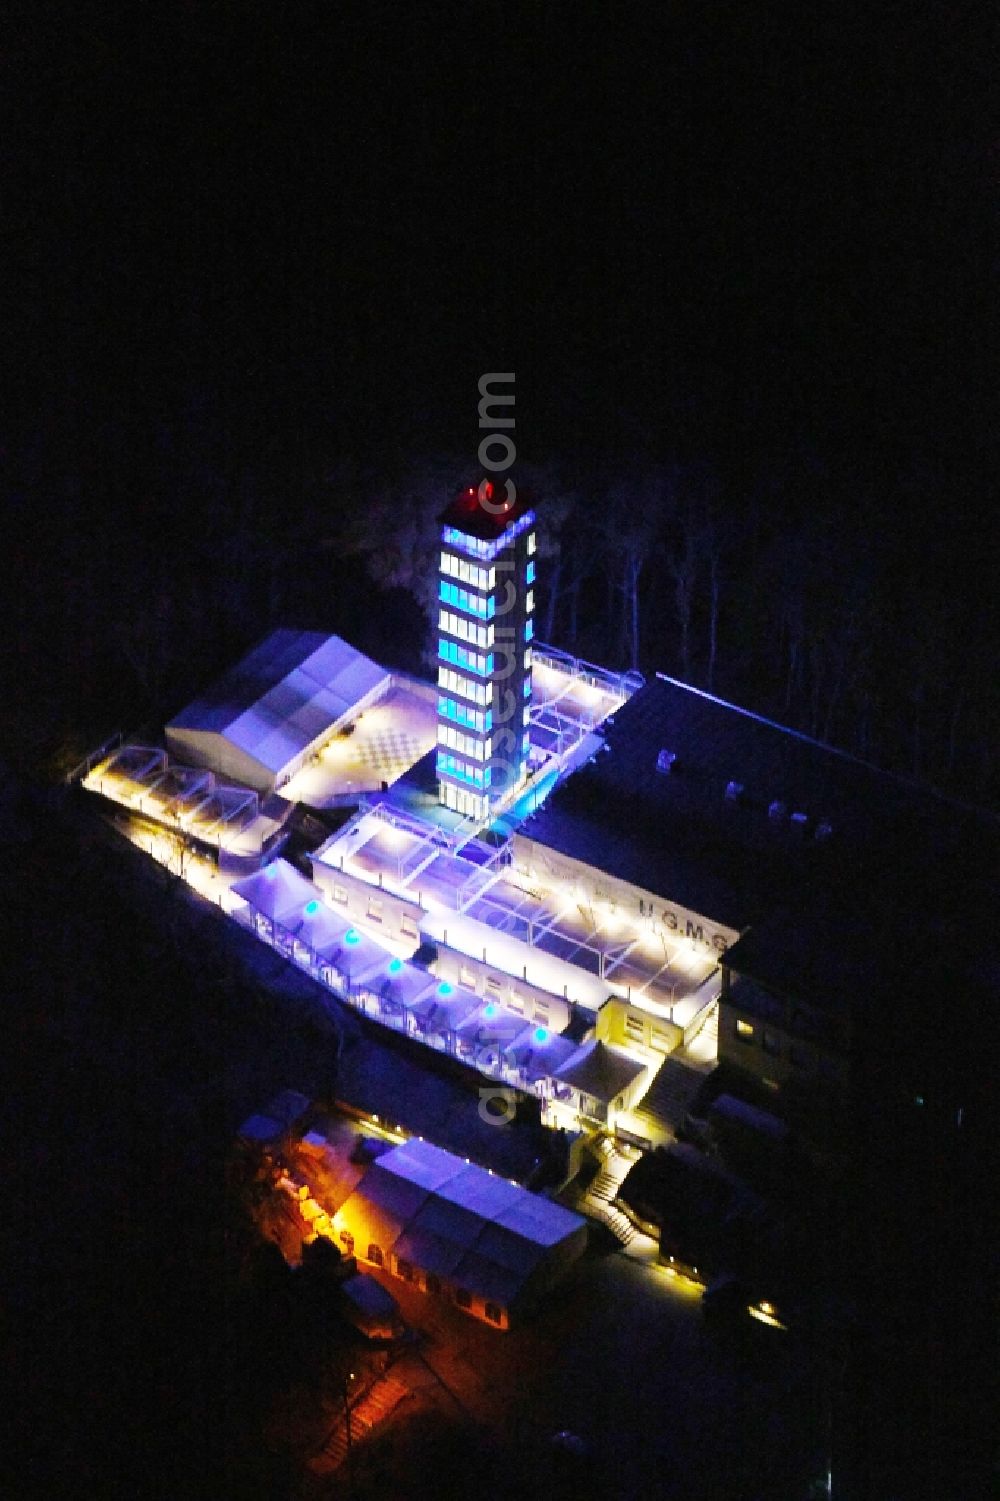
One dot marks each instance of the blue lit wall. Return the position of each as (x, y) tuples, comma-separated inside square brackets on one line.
[(485, 630)]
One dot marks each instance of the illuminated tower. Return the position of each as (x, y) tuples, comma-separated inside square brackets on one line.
[(486, 602)]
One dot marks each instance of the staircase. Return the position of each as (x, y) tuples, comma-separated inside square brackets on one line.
[(678, 1080), (373, 1407), (598, 1201), (703, 1044)]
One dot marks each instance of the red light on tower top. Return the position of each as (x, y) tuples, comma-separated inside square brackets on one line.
[(485, 510), (485, 496), (475, 495)]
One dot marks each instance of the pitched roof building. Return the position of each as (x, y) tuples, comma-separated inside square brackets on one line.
[(459, 1231), (261, 720)]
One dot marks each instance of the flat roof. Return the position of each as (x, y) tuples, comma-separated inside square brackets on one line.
[(388, 738), (836, 965), (561, 943), (753, 823), (467, 514), (730, 1108)]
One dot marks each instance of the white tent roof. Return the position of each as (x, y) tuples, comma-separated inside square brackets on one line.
[(360, 956), (322, 929), (539, 1053), (443, 1013), (490, 1023), (599, 1070), (458, 1220), (481, 1274), (452, 1222), (482, 1194), (536, 1219), (284, 695), (279, 891), (395, 980), (420, 1162), (388, 1191), (432, 1252)]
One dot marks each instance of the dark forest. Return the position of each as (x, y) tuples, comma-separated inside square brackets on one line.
[(739, 263)]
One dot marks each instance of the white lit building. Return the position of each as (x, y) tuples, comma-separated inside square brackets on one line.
[(485, 628), (261, 721)]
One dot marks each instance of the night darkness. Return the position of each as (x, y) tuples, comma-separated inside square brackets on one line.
[(256, 259)]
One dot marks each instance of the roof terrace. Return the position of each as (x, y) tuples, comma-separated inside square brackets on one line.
[(385, 741), (472, 894)]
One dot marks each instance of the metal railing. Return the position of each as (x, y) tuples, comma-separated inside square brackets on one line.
[(620, 684), (86, 766)]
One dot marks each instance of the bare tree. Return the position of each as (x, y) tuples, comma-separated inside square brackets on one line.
[(626, 535), (684, 563), (714, 571)]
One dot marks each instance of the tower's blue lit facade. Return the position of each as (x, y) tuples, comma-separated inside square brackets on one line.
[(486, 623)]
